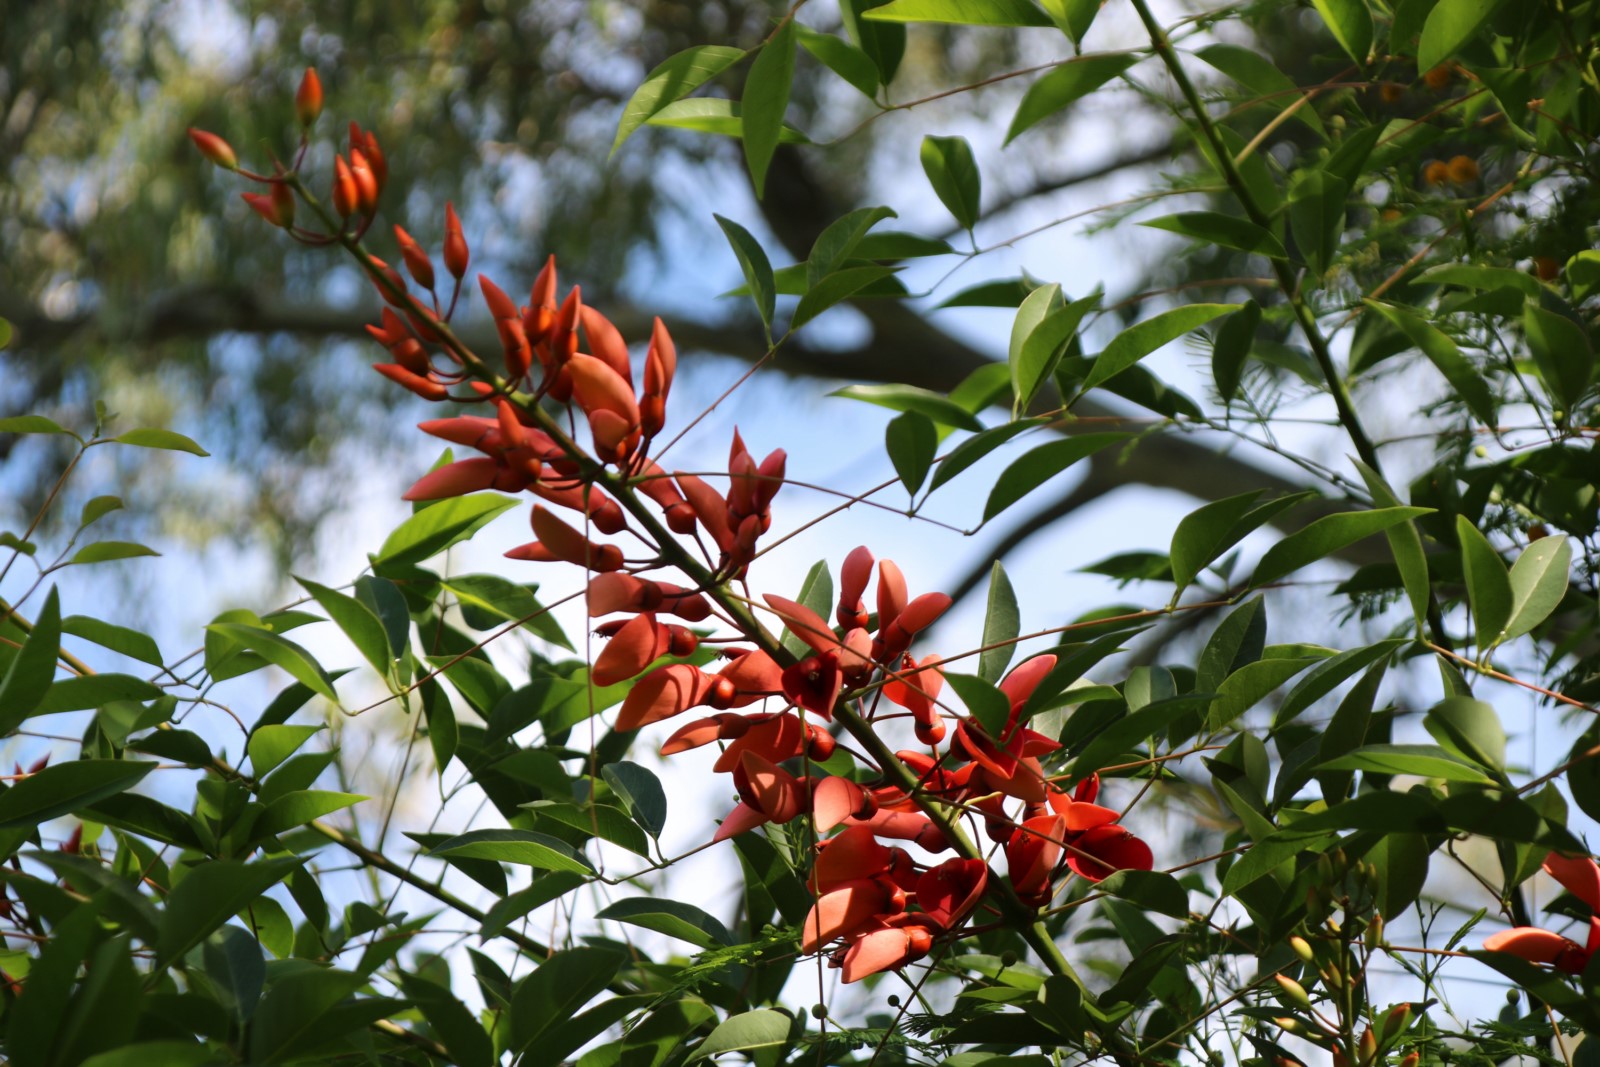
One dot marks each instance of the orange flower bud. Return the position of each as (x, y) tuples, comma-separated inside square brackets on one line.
[(366, 182), (417, 261), (1437, 78), (375, 158), (214, 148), (308, 98), (1546, 268), (1391, 92), (1436, 173), (455, 245), (276, 205), (1463, 169), (346, 197)]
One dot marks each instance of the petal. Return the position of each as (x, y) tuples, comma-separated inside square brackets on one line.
[(598, 387), (1581, 877), (754, 675), (615, 592), (842, 911), (634, 648), (774, 738), (1536, 946), (875, 952), (952, 889), (454, 479), (814, 684), (1025, 678), (606, 343), (853, 856), (697, 733), (661, 694), (804, 623), (1097, 853), (741, 819), (833, 801), (891, 593)]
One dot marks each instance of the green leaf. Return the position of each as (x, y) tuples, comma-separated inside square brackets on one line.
[(1444, 354), (281, 653), (640, 791), (1478, 276), (299, 808), (1451, 24), (766, 98), (545, 888), (33, 667), (1538, 582), (1562, 352), (523, 847), (816, 593), (1254, 71), (1405, 543), (167, 1053), (65, 788), (557, 989), (1213, 227), (438, 526), (1073, 17), (911, 441), (5, 334), (1250, 684), (1000, 293), (1329, 675), (1469, 729), (953, 172), (976, 447), (1037, 466), (489, 601), (838, 242), (93, 691), (1206, 533), (271, 745), (97, 508), (961, 12), (682, 921), (1132, 730), (897, 245), (717, 116), (1267, 855), (1001, 624), (1039, 338), (234, 963), (1234, 340), (1316, 216), (167, 439), (1143, 338), (457, 1028), (940, 409), (1488, 585), (759, 1029), (105, 551), (1351, 24), (1150, 890), (985, 702), (672, 80), (1324, 537), (835, 288), (1426, 761), (1064, 86), (308, 1008), (841, 57), (32, 424), (358, 622), (209, 896)]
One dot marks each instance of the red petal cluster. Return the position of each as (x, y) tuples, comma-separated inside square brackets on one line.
[(1581, 877)]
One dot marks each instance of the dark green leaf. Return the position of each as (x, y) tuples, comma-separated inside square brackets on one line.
[(523, 847), (1426, 761), (1150, 890), (457, 1028), (1488, 585), (1204, 534), (1132, 730), (1451, 24), (940, 409), (953, 172), (438, 526), (640, 790), (1213, 227), (961, 12), (1064, 86), (911, 442), (271, 745), (1001, 624), (209, 896), (105, 551), (766, 98), (975, 448), (838, 242), (299, 808), (1458, 371), (674, 79), (280, 652), (1329, 675), (1256, 72), (1404, 542), (754, 264), (1351, 24), (762, 1028), (557, 989), (545, 888), (682, 921), (1039, 338), (985, 702), (1143, 338), (1001, 293), (1316, 216), (128, 642), (1324, 537), (93, 691), (1250, 684), (173, 442), (843, 58), (836, 287), (1562, 352), (1037, 466), (358, 622), (233, 962), (65, 788), (1469, 729)]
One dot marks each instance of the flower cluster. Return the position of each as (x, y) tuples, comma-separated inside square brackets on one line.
[(776, 716), (1581, 877)]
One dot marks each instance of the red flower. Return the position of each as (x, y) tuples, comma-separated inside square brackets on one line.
[(1581, 877)]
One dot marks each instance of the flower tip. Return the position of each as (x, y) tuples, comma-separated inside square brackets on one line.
[(308, 98), (214, 148)]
